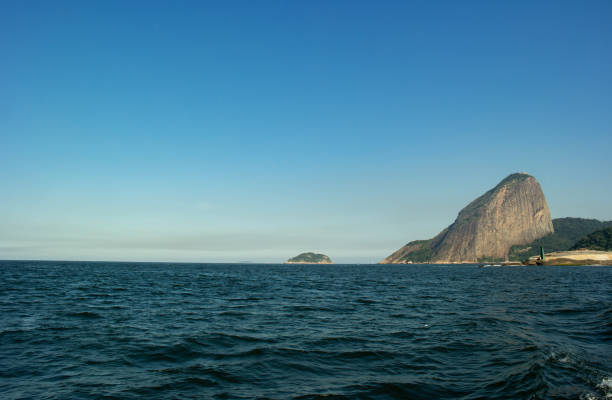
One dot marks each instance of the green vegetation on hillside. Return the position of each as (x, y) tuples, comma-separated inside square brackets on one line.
[(567, 232), (310, 258), (598, 240), (420, 255)]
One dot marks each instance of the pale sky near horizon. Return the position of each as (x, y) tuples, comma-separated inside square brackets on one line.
[(253, 131)]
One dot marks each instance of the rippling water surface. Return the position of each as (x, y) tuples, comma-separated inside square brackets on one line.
[(72, 330)]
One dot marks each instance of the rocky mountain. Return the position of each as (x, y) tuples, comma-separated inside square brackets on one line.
[(512, 213), (309, 258)]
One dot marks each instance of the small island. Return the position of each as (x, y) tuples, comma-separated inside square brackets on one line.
[(309, 258)]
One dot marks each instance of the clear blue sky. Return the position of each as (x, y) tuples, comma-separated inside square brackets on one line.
[(229, 131)]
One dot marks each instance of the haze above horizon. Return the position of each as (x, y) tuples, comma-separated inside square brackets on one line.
[(226, 131)]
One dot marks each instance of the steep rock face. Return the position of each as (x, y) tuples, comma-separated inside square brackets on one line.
[(513, 212)]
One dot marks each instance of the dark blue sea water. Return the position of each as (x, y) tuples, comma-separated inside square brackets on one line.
[(85, 330)]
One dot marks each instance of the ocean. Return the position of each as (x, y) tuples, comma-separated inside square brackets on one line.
[(100, 330)]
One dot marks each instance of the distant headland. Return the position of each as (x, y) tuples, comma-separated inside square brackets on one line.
[(309, 258), (510, 222)]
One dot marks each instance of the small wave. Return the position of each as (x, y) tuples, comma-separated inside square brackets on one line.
[(198, 369), (104, 295), (604, 389), (310, 308), (606, 383), (234, 313), (171, 353), (402, 334), (317, 396), (571, 311), (183, 384), (228, 338), (364, 354), (402, 390), (249, 298), (606, 386), (258, 352), (521, 381), (201, 381), (563, 358), (60, 328), (302, 367), (84, 314), (332, 340), (10, 331)]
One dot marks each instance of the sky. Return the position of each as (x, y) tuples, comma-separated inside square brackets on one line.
[(253, 131)]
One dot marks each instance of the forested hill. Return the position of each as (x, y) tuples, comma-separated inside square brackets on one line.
[(598, 240), (568, 231)]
